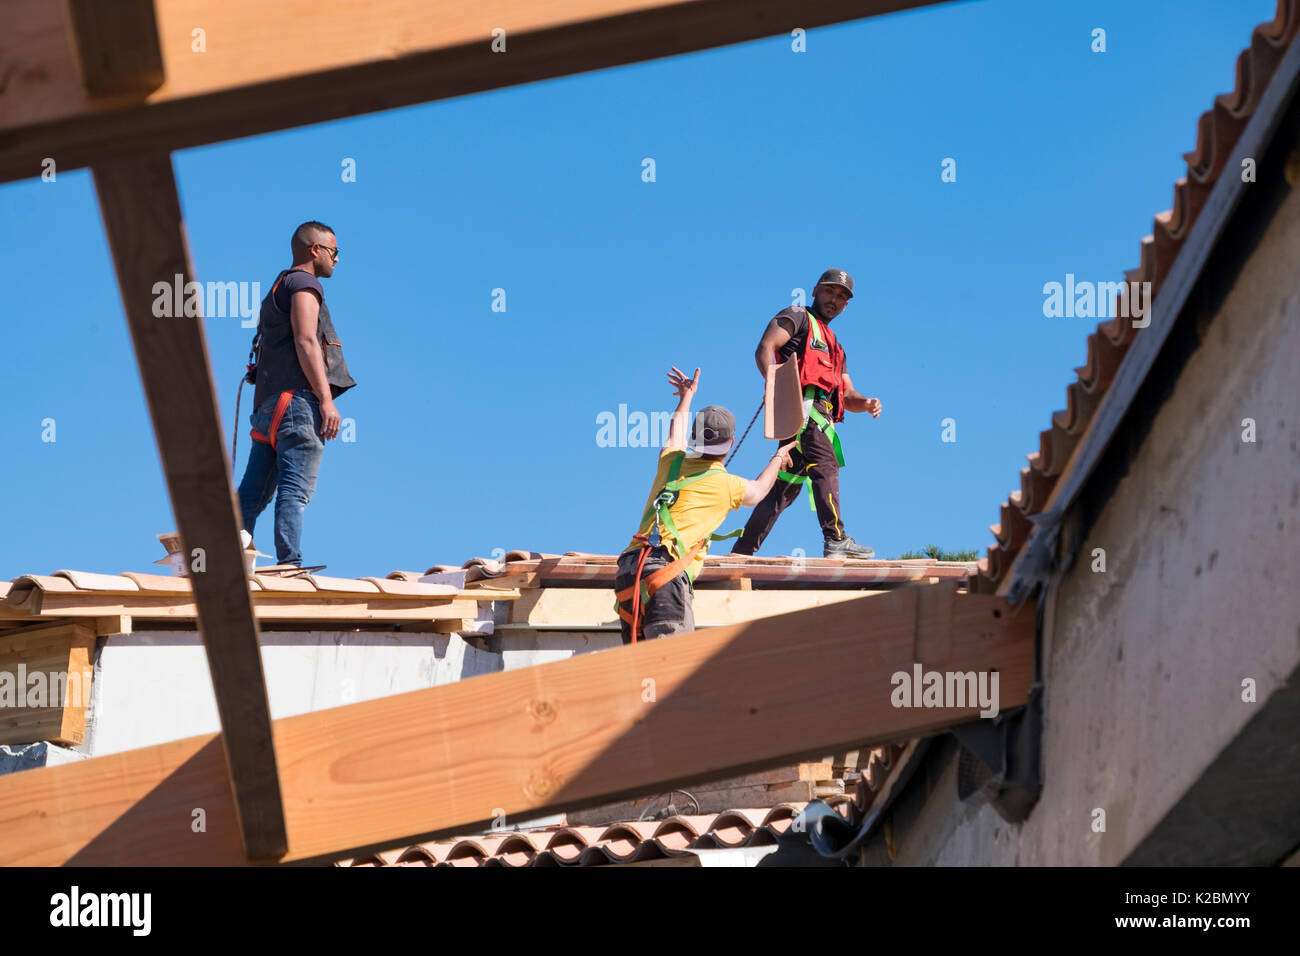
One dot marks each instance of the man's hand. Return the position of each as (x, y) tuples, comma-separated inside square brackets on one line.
[(784, 454), (329, 419), (873, 406), (683, 386)]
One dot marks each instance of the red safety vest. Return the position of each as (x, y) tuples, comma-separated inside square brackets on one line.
[(821, 364)]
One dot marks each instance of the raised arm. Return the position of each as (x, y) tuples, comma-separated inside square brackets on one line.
[(685, 387)]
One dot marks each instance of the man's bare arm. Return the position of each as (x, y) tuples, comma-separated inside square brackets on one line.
[(855, 401), (776, 334), (304, 316), (677, 425), (756, 490)]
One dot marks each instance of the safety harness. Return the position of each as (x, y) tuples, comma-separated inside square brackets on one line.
[(812, 393), (251, 377), (283, 403), (658, 516)]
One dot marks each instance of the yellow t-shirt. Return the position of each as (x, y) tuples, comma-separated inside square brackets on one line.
[(700, 507)]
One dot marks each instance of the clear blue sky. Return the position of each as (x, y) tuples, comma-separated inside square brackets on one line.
[(476, 430)]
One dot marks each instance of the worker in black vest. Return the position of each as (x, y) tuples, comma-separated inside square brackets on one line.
[(300, 370), (805, 334)]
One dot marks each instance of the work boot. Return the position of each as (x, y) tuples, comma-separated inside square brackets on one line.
[(846, 547)]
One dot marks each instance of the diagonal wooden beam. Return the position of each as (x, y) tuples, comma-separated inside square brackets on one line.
[(266, 66), (117, 48), (594, 728), (142, 218)]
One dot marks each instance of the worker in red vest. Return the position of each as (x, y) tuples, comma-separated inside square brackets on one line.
[(828, 392)]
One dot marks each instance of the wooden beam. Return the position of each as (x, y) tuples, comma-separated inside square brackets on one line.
[(589, 730), (117, 46), (107, 626), (581, 608), (142, 219), (304, 607), (262, 66), (45, 681), (525, 579)]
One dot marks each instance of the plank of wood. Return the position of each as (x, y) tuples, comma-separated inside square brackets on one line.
[(36, 632), (584, 607), (107, 626), (117, 47), (304, 607), (61, 656), (786, 575), (559, 736), (142, 219), (523, 579), (737, 584), (376, 55)]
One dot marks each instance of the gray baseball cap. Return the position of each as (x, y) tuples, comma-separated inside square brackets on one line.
[(712, 431)]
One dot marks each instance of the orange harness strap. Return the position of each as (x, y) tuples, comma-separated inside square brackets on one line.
[(276, 416), (640, 590)]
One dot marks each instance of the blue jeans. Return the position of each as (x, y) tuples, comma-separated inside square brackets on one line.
[(286, 473)]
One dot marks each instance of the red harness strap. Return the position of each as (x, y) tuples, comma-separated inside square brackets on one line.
[(652, 583), (276, 416)]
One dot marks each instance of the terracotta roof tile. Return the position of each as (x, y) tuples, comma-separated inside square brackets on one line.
[(1217, 131), (276, 582), (395, 586), (347, 585), (624, 842), (160, 597), (89, 581), (405, 575), (159, 583), (42, 582)]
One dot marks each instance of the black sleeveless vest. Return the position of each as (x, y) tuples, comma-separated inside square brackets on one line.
[(278, 369)]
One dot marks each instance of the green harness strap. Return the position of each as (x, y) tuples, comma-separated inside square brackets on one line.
[(822, 422), (659, 510)]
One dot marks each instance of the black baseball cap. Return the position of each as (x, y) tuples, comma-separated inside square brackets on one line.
[(837, 277)]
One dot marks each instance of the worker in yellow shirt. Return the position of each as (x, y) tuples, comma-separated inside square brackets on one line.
[(691, 495)]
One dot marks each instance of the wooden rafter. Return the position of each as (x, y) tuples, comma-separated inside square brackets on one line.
[(591, 729), (142, 218), (266, 66)]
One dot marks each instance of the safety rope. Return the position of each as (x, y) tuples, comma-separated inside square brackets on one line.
[(234, 442), (742, 437)]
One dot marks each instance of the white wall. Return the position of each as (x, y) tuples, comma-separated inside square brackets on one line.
[(154, 686)]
